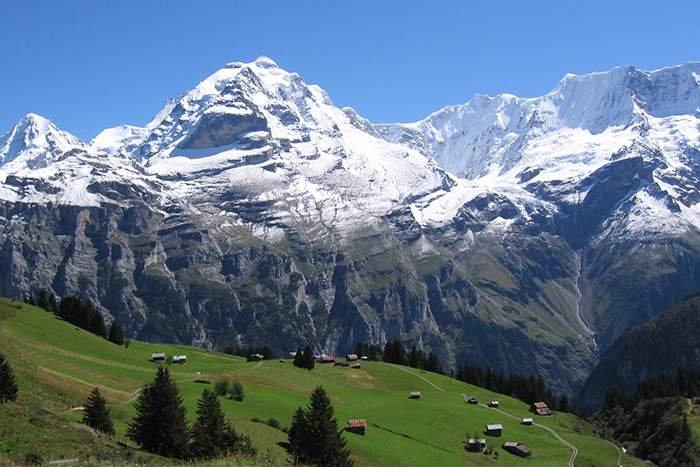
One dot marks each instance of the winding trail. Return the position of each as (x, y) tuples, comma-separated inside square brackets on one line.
[(574, 449), (424, 379), (574, 454)]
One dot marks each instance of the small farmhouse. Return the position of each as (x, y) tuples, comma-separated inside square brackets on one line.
[(181, 359), (517, 448), (415, 395), (357, 426), (527, 421), (494, 430), (472, 400), (256, 357), (476, 445), (351, 358), (158, 357), (493, 404), (326, 359), (357, 365), (540, 408)]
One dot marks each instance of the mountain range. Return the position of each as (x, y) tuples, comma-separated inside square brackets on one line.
[(526, 234)]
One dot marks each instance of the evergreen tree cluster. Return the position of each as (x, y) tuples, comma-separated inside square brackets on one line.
[(373, 352), (82, 314), (314, 437), (79, 313), (529, 389), (395, 352), (651, 422), (8, 386), (305, 359), (161, 427), (685, 384)]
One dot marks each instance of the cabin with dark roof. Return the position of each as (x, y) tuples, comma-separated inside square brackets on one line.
[(476, 445), (494, 430), (517, 448), (158, 357), (357, 426)]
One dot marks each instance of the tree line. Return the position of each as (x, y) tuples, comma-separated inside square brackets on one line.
[(249, 351), (529, 389), (652, 421), (79, 313), (395, 352)]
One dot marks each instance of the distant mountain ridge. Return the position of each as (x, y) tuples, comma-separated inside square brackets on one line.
[(522, 233), (662, 346)]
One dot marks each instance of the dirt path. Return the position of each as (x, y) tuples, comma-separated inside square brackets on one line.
[(424, 379), (574, 454)]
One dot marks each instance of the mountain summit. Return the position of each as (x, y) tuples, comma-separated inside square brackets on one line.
[(522, 233)]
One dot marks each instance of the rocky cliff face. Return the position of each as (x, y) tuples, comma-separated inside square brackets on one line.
[(252, 210)]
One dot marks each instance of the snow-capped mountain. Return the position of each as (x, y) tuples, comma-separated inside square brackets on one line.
[(34, 143), (523, 233)]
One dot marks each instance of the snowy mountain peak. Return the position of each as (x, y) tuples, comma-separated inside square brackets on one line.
[(34, 142)]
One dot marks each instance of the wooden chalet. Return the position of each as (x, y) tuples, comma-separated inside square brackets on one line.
[(158, 357), (527, 421), (493, 404), (357, 365), (476, 445), (181, 359), (540, 408), (357, 426), (256, 357), (352, 357), (517, 448), (325, 359), (494, 430), (472, 400), (415, 395)]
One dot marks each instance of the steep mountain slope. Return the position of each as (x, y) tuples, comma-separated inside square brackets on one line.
[(663, 345), (616, 153), (251, 209)]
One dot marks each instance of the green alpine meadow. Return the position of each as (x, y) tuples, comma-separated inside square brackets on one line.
[(57, 366)]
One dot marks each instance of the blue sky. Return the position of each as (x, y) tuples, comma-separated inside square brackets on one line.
[(89, 65)]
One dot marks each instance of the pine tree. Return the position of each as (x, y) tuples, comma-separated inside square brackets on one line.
[(8, 387), (43, 301), (314, 437), (96, 323), (160, 425), (53, 304), (116, 335), (96, 413), (309, 361), (209, 431)]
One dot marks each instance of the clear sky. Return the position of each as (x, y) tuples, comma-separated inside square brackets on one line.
[(94, 64)]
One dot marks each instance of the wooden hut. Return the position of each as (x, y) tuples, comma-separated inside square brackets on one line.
[(357, 426), (158, 357), (415, 395), (540, 408), (517, 448), (477, 445), (494, 430)]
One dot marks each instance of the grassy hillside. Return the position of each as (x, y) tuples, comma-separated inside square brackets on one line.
[(56, 365)]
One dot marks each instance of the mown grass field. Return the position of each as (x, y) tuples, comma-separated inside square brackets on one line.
[(56, 365)]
